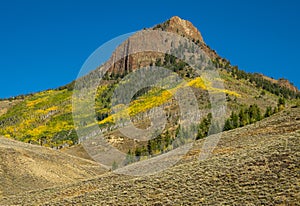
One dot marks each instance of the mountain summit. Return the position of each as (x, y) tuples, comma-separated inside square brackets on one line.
[(184, 28)]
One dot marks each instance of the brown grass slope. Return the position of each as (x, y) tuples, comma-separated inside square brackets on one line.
[(25, 167), (6, 105), (255, 165)]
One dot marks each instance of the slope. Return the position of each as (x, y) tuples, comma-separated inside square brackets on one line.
[(257, 164), (24, 167)]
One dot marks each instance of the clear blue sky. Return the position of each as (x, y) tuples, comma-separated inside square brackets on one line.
[(43, 44)]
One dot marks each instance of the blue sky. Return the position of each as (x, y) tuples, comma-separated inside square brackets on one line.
[(43, 44)]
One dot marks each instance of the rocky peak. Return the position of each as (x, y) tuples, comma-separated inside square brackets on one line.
[(281, 82), (286, 83), (188, 30), (182, 27)]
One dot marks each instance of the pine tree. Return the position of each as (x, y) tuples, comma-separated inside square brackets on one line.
[(275, 110), (235, 120), (114, 165), (167, 139), (138, 153), (281, 104), (268, 112), (149, 148), (244, 117), (254, 113), (129, 158), (228, 125)]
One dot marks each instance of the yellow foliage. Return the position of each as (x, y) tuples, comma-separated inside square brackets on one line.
[(197, 83), (46, 111), (109, 119), (226, 91), (53, 108), (49, 129), (34, 102), (203, 83), (157, 97), (147, 103), (37, 131)]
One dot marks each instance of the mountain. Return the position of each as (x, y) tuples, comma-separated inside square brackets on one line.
[(45, 118), (255, 162)]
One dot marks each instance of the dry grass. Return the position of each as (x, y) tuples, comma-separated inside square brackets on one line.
[(6, 104), (25, 167), (255, 165)]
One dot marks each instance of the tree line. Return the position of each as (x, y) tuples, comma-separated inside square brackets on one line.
[(166, 141), (251, 115), (256, 79)]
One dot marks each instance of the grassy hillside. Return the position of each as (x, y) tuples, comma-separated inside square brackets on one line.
[(257, 164), (45, 118), (25, 167)]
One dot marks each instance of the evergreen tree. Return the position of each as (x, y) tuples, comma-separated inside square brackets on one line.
[(281, 104), (228, 125), (275, 110), (268, 112), (254, 113), (114, 165), (149, 148), (129, 158), (204, 127), (234, 120), (167, 139), (243, 117), (138, 153)]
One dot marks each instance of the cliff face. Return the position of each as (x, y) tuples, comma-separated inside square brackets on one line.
[(174, 25), (134, 61)]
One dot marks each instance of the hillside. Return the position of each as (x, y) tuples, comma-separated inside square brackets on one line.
[(45, 118), (25, 167), (6, 104), (258, 164)]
